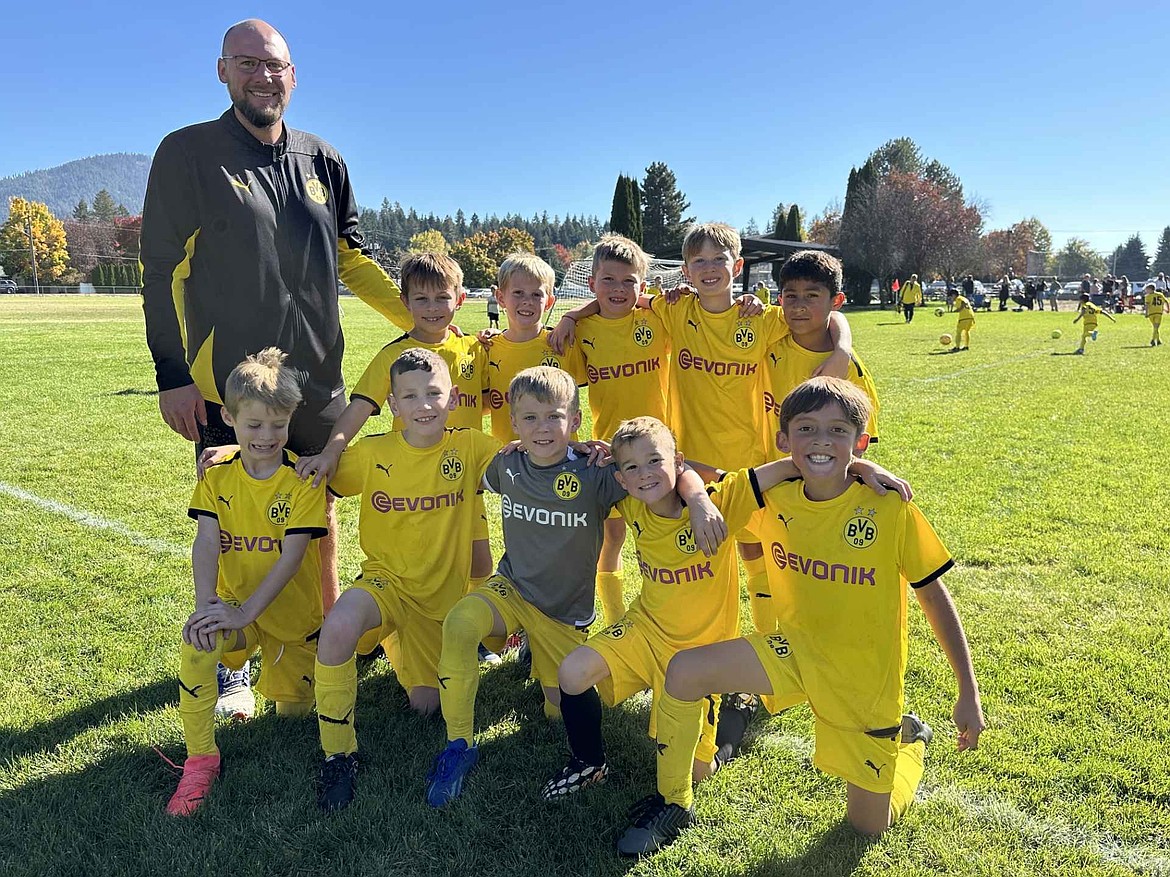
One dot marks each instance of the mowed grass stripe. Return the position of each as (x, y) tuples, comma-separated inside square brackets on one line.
[(1040, 472)]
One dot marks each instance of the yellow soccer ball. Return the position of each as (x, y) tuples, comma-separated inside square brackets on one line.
[(1056, 333), (938, 312), (946, 340)]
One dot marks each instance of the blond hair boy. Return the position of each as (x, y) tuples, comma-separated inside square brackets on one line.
[(256, 584)]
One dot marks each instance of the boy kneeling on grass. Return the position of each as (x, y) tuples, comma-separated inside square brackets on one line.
[(256, 586), (840, 559)]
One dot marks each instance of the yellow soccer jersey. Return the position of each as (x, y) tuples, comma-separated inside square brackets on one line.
[(1155, 303), (789, 365), (1089, 312), (692, 599), (627, 367), (254, 518), (717, 378), (417, 511), (506, 359), (464, 357), (838, 572), (965, 313), (911, 293)]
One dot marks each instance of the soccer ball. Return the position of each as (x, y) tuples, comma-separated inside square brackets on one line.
[(946, 340), (938, 312), (1056, 333)]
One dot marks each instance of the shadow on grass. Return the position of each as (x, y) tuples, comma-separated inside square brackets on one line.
[(836, 852), (1136, 347), (895, 323), (133, 391), (48, 735), (106, 816), (946, 352), (1065, 353)]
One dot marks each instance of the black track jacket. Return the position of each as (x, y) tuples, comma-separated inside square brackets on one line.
[(242, 247)]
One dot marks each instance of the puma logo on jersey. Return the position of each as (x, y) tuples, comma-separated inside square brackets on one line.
[(783, 520), (693, 325), (247, 187), (227, 502), (511, 475), (194, 692), (637, 527), (344, 720), (877, 770), (443, 680), (590, 343), (662, 747), (775, 359), (493, 364), (385, 468), (307, 680)]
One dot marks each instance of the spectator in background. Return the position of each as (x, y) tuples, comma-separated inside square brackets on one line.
[(493, 309), (910, 295), (1005, 291), (1053, 294)]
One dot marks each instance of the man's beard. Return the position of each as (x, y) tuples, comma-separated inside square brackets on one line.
[(261, 117)]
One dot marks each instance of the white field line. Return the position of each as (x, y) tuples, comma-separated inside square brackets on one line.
[(933, 379), (1037, 831), (95, 522)]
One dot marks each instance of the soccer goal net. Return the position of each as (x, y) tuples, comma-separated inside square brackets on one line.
[(574, 288)]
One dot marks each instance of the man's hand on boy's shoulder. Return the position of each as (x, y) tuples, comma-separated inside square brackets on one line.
[(881, 480), (322, 467), (211, 456)]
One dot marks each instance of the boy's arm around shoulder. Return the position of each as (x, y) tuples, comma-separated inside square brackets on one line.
[(837, 365), (877, 478), (322, 466), (939, 608), (707, 524)]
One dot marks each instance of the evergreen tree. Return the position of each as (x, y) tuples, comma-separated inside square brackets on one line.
[(636, 214), (1132, 261), (81, 211), (663, 225), (795, 224), (622, 216), (104, 208), (857, 280), (1161, 263)]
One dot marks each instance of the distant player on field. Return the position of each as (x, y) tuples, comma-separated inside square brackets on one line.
[(966, 323), (256, 584), (1156, 305), (910, 295), (1089, 312)]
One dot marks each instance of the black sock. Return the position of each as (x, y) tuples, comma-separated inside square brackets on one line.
[(582, 715)]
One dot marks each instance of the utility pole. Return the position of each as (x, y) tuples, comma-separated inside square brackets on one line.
[(32, 249)]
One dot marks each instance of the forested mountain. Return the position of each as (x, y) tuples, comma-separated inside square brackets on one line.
[(122, 174)]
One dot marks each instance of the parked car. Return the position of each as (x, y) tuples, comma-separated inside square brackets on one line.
[(7, 286)]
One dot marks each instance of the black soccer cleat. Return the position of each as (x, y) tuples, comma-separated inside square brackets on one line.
[(655, 824), (574, 777), (336, 783), (914, 729)]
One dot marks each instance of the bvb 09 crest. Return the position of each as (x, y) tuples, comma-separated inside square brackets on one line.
[(450, 466), (467, 368), (316, 190), (860, 530), (745, 335), (550, 359), (643, 334), (685, 540), (567, 485), (281, 508)]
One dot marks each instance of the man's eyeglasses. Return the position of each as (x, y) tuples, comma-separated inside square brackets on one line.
[(248, 64)]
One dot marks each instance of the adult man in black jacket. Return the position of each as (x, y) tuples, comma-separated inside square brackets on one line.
[(247, 225)]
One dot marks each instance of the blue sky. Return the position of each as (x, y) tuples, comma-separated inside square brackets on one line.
[(520, 107)]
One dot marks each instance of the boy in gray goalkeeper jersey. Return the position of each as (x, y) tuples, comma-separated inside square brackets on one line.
[(554, 505)]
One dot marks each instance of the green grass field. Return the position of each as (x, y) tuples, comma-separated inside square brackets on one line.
[(1044, 474)]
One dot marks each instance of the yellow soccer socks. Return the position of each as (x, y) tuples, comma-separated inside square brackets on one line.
[(336, 689), (466, 625), (609, 591), (197, 696), (759, 595), (680, 723), (908, 770)]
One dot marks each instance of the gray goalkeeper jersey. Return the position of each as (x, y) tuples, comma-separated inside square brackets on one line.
[(554, 520)]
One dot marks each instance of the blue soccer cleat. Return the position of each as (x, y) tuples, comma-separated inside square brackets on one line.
[(445, 781)]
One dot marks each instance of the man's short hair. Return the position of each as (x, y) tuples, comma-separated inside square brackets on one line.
[(618, 248), (418, 359), (813, 266), (436, 270), (629, 431), (529, 264), (548, 385), (263, 378), (722, 235), (817, 393)]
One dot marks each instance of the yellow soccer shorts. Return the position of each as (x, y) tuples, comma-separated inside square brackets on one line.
[(862, 756), (420, 637), (637, 656), (286, 672), (1156, 320), (549, 640), (479, 525)]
